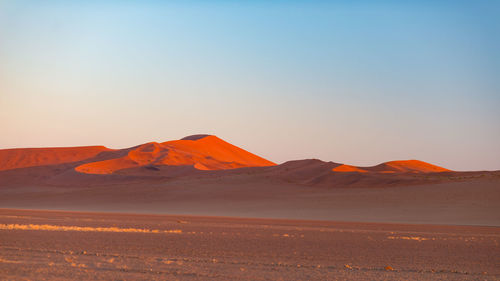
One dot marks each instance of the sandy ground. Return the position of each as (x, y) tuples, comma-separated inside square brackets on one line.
[(454, 203), (47, 245)]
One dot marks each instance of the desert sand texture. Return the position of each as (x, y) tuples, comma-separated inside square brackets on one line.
[(456, 203), (48, 245)]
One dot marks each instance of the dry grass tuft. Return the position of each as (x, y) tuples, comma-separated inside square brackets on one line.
[(49, 227)]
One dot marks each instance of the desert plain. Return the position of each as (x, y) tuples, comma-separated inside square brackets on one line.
[(200, 208)]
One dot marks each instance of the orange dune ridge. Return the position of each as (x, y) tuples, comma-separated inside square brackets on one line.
[(30, 157), (348, 168), (413, 166), (400, 166), (203, 152)]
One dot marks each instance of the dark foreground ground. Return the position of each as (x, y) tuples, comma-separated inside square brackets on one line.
[(51, 245)]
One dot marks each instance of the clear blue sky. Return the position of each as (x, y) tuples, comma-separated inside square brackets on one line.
[(357, 82)]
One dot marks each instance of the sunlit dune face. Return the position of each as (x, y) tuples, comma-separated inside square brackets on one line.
[(106, 166), (415, 166), (203, 152), (348, 169), (30, 157), (392, 167)]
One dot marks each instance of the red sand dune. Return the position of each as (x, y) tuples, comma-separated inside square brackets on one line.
[(400, 166), (191, 154), (30, 157), (204, 152), (410, 166), (200, 159)]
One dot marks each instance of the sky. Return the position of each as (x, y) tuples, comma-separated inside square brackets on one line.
[(356, 82)]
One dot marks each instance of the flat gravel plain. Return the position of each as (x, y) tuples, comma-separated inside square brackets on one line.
[(57, 245)]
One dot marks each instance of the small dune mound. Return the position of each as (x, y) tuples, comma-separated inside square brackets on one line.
[(410, 166), (348, 169), (392, 167)]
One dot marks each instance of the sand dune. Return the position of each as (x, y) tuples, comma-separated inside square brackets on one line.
[(207, 157), (203, 152), (400, 166)]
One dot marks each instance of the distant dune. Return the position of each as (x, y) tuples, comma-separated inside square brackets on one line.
[(200, 156), (202, 152), (401, 166)]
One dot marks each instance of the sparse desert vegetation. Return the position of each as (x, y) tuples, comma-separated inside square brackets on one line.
[(96, 246)]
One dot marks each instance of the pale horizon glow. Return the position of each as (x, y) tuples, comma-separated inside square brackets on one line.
[(357, 83)]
